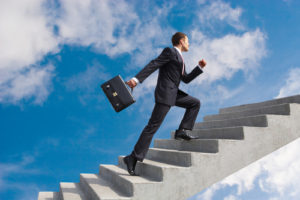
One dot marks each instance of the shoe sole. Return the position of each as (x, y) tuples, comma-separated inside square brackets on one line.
[(182, 139), (125, 161)]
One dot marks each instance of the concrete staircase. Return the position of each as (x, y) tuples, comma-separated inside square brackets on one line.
[(176, 169)]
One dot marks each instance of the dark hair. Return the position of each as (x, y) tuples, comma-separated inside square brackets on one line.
[(177, 37)]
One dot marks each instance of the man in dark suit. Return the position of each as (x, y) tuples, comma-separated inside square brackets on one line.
[(167, 93)]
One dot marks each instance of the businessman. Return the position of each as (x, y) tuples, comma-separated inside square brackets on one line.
[(170, 64)]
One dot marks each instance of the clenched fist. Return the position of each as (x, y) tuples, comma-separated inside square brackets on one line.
[(131, 83), (202, 63)]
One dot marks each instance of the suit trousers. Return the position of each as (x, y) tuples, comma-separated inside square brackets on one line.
[(192, 106)]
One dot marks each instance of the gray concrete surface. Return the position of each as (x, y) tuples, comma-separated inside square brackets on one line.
[(176, 169)]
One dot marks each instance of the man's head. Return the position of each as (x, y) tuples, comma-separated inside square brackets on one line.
[(181, 41)]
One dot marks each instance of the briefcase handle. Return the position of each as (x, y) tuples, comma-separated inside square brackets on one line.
[(131, 89)]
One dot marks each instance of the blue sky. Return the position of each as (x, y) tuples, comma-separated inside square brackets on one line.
[(56, 122)]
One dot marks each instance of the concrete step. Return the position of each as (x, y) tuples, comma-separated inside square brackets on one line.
[(71, 191), (257, 121), (48, 196), (122, 181), (96, 187), (203, 145), (179, 169), (150, 169), (173, 157), (233, 133), (281, 109), (291, 99)]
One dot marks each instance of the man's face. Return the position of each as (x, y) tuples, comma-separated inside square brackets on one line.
[(185, 44)]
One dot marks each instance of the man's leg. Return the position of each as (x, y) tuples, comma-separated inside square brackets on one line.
[(192, 106), (158, 114)]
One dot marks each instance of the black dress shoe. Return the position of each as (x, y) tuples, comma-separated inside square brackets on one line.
[(130, 162), (181, 134)]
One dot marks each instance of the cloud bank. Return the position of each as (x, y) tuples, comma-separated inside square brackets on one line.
[(291, 85), (25, 38), (112, 29)]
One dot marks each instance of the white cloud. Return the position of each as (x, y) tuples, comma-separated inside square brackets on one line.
[(283, 169), (244, 179), (230, 197), (208, 194), (292, 84), (97, 23), (214, 95), (25, 38), (226, 55), (34, 82), (112, 28), (220, 12), (108, 27)]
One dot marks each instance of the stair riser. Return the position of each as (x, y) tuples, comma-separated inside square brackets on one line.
[(205, 146), (128, 188), (142, 169), (74, 193), (235, 133), (292, 99), (117, 181), (88, 191), (276, 110), (173, 158), (257, 121)]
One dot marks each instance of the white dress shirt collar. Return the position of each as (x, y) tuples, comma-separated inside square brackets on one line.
[(178, 50)]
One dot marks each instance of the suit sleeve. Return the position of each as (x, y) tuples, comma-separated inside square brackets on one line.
[(186, 78), (160, 61)]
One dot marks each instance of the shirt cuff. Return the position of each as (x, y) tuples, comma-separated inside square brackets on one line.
[(136, 80), (200, 67)]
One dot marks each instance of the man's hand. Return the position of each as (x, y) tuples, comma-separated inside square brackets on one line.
[(131, 83), (202, 63)]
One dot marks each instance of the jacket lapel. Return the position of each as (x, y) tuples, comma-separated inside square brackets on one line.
[(179, 59)]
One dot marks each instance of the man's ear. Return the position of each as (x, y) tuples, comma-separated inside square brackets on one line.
[(181, 41)]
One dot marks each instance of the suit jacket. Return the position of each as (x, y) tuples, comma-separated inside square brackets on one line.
[(170, 64)]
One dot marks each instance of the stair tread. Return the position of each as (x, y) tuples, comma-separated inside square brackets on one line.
[(124, 174), (189, 141), (101, 187), (254, 121), (235, 119), (48, 195), (213, 128), (171, 150), (159, 164), (256, 110), (290, 99), (71, 191), (179, 151)]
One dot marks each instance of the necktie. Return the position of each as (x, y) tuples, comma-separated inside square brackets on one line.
[(182, 64)]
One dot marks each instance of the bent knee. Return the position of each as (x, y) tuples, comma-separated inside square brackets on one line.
[(197, 103)]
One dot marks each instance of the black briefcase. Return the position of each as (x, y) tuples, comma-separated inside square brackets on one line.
[(118, 93)]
